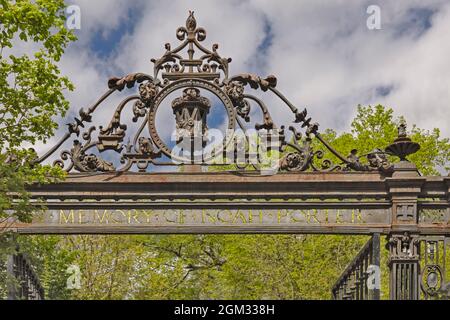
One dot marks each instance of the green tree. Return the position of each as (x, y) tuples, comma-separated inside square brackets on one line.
[(31, 93), (375, 127), (50, 257)]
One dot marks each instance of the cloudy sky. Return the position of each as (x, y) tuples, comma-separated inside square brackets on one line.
[(322, 52)]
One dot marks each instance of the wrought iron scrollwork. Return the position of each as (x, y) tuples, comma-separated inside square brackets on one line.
[(202, 70), (434, 280), (255, 82), (376, 161), (88, 162), (235, 90)]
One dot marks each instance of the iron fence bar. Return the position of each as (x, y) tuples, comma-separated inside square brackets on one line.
[(23, 282), (375, 255), (353, 281), (11, 287), (432, 277)]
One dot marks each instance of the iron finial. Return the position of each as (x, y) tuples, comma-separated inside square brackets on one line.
[(402, 146), (402, 129), (191, 23)]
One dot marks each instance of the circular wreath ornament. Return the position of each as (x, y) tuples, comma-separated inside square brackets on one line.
[(431, 279), (183, 84)]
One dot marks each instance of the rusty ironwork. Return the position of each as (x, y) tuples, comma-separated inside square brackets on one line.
[(404, 256), (113, 173), (23, 282), (195, 70), (434, 258), (361, 279), (402, 146), (418, 266)]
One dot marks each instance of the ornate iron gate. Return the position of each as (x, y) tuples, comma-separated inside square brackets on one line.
[(310, 188), (434, 277), (434, 262), (23, 282), (417, 265)]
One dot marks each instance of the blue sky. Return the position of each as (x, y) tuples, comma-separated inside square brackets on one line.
[(323, 54)]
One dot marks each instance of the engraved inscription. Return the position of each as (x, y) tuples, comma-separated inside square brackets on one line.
[(226, 217)]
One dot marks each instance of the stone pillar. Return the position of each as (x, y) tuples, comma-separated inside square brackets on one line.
[(404, 188), (404, 258)]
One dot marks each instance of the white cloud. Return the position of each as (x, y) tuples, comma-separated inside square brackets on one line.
[(327, 59), (235, 25)]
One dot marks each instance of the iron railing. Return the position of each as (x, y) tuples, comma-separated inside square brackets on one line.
[(353, 282), (434, 258), (24, 283)]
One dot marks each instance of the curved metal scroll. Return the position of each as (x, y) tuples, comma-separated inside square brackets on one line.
[(194, 74)]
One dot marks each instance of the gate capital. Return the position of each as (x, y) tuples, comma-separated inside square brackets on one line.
[(404, 257), (404, 190)]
